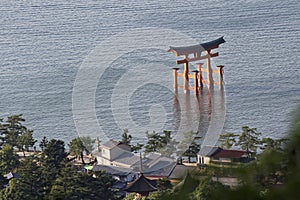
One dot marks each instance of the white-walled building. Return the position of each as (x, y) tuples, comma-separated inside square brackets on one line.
[(114, 153), (205, 154), (209, 154), (117, 154)]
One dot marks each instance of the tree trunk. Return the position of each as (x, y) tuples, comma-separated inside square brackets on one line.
[(82, 160)]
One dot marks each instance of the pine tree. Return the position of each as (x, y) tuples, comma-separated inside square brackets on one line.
[(249, 140), (52, 162), (126, 138), (12, 130), (25, 141), (28, 185), (9, 160), (77, 148), (228, 140), (88, 143), (71, 184), (14, 133), (156, 142), (43, 143), (192, 151)]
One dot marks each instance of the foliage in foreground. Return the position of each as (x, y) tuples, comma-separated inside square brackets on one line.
[(275, 174), (49, 174)]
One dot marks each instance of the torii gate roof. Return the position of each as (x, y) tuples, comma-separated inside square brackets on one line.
[(179, 51)]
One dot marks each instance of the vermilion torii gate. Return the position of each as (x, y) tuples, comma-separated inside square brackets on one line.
[(191, 54)]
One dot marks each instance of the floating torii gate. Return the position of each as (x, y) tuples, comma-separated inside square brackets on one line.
[(191, 54)]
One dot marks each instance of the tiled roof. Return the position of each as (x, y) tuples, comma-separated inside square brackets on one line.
[(127, 158), (209, 150), (180, 171), (160, 169), (110, 144), (119, 185), (228, 153), (151, 158), (113, 170), (156, 165), (141, 185)]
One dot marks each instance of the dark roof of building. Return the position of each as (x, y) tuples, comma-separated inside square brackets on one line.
[(117, 171), (161, 169), (179, 51), (151, 158), (180, 171), (228, 153), (155, 164), (119, 185), (209, 150), (141, 185), (127, 158)]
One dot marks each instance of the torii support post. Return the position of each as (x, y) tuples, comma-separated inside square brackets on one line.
[(200, 74), (196, 84), (210, 80), (221, 72), (186, 75), (175, 75)]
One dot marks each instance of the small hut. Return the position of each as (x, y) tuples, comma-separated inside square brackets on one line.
[(142, 186)]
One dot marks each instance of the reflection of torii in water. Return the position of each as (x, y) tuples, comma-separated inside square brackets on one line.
[(215, 111)]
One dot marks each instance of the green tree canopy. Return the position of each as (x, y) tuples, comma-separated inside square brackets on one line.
[(126, 137), (156, 141), (270, 144), (192, 151), (9, 160), (28, 185), (25, 141), (136, 148), (73, 185), (88, 143), (55, 152), (43, 143), (228, 140), (77, 148), (248, 140), (53, 160), (12, 130)]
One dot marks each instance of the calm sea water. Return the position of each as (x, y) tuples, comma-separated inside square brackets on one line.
[(44, 43)]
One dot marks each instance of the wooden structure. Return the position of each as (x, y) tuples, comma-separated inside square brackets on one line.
[(142, 186), (213, 154), (191, 54)]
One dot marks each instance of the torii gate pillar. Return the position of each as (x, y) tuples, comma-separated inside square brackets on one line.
[(221, 72), (175, 75), (200, 74), (210, 80), (186, 76)]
